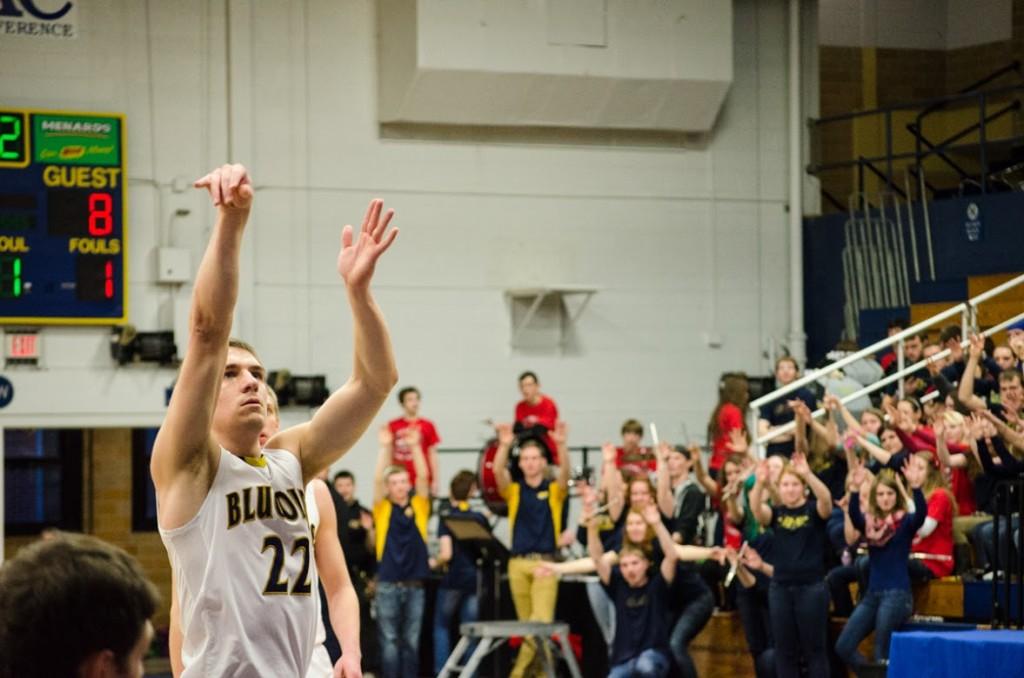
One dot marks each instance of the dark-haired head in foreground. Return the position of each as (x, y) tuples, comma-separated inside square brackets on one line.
[(74, 606)]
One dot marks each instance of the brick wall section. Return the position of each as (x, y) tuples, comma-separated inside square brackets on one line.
[(968, 65), (903, 75), (840, 73), (112, 511), (906, 75)]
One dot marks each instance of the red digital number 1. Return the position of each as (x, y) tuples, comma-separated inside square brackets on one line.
[(108, 280), (101, 217)]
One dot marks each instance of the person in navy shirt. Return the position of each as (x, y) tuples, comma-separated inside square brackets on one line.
[(798, 599), (400, 522), (535, 521), (778, 412), (889, 527), (641, 596), (457, 593)]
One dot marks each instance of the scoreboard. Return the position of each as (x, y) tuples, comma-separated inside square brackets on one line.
[(62, 218)]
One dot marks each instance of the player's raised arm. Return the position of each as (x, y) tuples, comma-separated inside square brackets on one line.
[(184, 457), (349, 411), (342, 603)]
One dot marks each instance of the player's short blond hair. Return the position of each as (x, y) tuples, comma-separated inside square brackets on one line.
[(245, 346)]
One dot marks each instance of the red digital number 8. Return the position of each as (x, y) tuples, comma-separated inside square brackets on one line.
[(101, 217)]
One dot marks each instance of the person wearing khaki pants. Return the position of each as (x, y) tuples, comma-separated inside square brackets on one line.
[(535, 517)]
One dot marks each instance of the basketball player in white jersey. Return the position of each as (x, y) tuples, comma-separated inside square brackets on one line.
[(232, 515), (342, 602)]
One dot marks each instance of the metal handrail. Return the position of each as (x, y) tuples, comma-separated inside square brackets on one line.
[(923, 147), (871, 388), (812, 376), (967, 311), (976, 86), (912, 105), (933, 149)]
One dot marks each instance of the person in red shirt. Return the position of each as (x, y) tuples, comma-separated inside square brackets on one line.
[(632, 457), (536, 413), (955, 454), (733, 395), (402, 433), (931, 553)]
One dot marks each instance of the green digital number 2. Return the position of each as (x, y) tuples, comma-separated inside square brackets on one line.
[(13, 136)]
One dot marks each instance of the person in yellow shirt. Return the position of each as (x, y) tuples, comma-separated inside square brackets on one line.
[(535, 517), (400, 520)]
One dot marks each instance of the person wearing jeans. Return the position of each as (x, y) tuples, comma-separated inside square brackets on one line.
[(889, 526), (457, 593), (879, 611), (603, 610), (452, 604), (641, 595), (798, 600), (1004, 557), (754, 576), (401, 545), (693, 616), (647, 663), (399, 615)]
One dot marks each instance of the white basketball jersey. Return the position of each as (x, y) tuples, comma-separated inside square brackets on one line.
[(320, 663), (245, 572)]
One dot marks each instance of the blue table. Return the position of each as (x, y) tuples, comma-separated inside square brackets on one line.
[(956, 654)]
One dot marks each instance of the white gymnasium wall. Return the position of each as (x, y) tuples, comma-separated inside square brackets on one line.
[(684, 239)]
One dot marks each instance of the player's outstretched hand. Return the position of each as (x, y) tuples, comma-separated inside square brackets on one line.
[(229, 186), (359, 253)]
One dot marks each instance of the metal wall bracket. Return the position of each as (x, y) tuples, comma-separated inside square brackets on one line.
[(533, 297)]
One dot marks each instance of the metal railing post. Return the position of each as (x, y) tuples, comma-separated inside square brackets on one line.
[(1020, 554), (912, 229), (926, 217), (998, 611), (899, 367), (753, 415)]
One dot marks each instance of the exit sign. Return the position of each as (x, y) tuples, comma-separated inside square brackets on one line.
[(22, 346)]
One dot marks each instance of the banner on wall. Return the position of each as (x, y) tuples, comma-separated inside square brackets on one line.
[(972, 222), (40, 19)]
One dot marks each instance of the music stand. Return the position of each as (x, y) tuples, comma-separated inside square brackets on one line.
[(480, 542), (491, 557)]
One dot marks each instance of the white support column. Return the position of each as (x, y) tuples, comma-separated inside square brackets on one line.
[(239, 82), (797, 338)]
